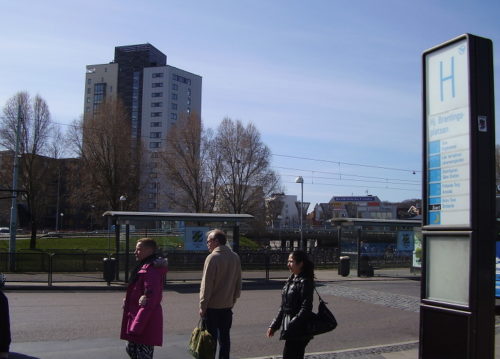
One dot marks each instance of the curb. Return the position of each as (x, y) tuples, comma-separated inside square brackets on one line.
[(355, 353)]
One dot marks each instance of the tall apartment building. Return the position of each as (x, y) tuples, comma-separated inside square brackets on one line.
[(156, 96)]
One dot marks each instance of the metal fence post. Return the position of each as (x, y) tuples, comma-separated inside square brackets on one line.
[(51, 255)]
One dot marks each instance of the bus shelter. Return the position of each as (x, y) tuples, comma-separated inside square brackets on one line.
[(193, 225), (378, 240)]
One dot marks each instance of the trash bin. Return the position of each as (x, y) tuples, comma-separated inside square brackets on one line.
[(109, 266), (365, 268), (344, 266)]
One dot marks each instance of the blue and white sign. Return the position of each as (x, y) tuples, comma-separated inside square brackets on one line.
[(497, 274), (448, 134), (406, 241), (195, 238)]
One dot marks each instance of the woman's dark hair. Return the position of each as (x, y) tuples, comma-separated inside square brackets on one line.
[(307, 264)]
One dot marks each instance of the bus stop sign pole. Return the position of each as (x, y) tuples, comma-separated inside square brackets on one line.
[(457, 308)]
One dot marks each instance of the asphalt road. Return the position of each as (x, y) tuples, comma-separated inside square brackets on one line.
[(82, 324)]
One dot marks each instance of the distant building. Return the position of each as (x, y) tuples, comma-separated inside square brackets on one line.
[(369, 207), (284, 214), (53, 201), (156, 95)]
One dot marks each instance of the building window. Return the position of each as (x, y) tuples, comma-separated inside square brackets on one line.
[(153, 175), (189, 101), (181, 79), (188, 111), (154, 144), (175, 87), (155, 155), (155, 124), (152, 205), (157, 94), (157, 84), (157, 74), (173, 116), (154, 185), (174, 96), (155, 135), (156, 104), (88, 90), (89, 81), (189, 92), (99, 94), (155, 114), (174, 106), (151, 195)]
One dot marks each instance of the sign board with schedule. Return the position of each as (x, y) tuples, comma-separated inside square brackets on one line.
[(448, 136)]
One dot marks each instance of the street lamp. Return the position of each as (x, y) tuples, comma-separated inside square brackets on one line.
[(92, 207), (61, 225), (123, 198), (301, 181)]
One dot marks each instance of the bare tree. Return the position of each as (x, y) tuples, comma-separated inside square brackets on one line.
[(274, 207), (190, 165), (110, 157), (34, 135), (246, 176)]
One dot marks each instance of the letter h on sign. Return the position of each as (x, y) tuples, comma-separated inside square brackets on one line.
[(447, 78)]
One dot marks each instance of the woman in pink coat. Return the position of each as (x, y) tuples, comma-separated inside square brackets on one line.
[(142, 323)]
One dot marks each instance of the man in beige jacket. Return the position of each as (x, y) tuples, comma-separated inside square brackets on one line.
[(220, 288)]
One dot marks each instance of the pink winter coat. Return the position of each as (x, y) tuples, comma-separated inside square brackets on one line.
[(144, 325)]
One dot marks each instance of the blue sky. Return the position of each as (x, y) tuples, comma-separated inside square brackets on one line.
[(333, 86)]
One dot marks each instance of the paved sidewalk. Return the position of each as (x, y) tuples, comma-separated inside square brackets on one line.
[(176, 348)]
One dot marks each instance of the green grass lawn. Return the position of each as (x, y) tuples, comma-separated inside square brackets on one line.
[(104, 244)]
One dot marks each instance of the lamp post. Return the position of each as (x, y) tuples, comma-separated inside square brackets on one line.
[(123, 198), (61, 225), (92, 207), (301, 181)]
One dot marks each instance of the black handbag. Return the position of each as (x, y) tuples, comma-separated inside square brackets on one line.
[(324, 321)]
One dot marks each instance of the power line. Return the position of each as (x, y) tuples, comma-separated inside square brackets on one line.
[(366, 187), (348, 163), (354, 180), (346, 175)]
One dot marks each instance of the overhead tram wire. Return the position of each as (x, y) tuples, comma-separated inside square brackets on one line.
[(340, 174), (348, 163), (354, 180), (366, 187)]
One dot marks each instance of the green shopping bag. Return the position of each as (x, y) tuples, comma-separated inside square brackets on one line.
[(201, 344)]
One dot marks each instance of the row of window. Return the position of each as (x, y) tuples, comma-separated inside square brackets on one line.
[(181, 79), (173, 116), (175, 87)]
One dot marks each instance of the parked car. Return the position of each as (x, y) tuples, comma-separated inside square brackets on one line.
[(4, 230)]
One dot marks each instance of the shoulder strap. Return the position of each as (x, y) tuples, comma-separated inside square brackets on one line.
[(321, 299)]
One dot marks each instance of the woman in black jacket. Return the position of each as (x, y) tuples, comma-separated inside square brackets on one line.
[(295, 312)]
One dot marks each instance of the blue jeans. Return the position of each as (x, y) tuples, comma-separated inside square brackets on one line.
[(219, 323)]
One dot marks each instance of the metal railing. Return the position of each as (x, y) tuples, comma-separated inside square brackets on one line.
[(88, 266)]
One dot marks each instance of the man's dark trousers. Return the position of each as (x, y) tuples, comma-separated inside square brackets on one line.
[(219, 323)]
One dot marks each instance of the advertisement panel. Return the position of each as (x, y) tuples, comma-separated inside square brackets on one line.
[(195, 238)]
